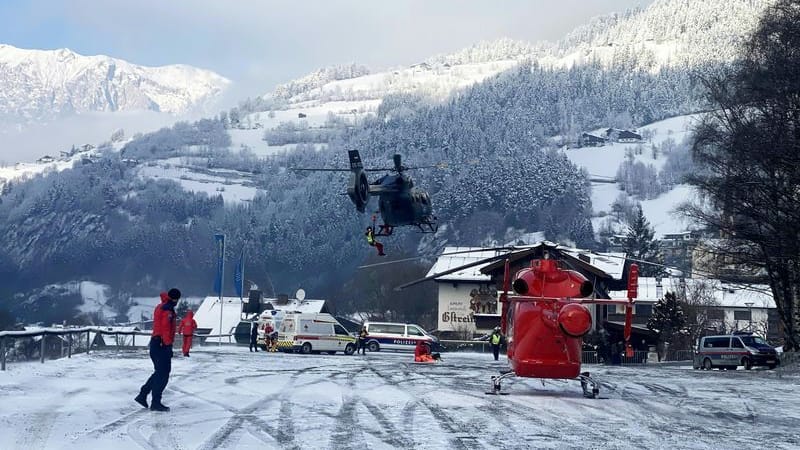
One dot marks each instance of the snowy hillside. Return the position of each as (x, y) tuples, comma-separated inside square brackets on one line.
[(603, 162), (45, 84), (23, 171), (234, 186), (686, 34)]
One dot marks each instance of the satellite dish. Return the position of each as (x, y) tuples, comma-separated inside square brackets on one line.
[(300, 295)]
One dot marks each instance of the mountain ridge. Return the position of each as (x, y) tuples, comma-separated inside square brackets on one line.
[(40, 85)]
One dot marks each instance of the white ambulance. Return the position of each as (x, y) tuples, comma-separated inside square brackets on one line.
[(314, 332)]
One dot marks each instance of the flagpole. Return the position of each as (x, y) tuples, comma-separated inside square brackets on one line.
[(221, 289)]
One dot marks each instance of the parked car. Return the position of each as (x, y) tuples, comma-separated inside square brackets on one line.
[(731, 351), (396, 336)]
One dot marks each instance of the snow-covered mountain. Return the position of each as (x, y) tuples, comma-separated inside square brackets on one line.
[(668, 33), (47, 84)]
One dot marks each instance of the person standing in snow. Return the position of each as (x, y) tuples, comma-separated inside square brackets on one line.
[(362, 340), (269, 339), (496, 338), (186, 329), (160, 350), (254, 337)]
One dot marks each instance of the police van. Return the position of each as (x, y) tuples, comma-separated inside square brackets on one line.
[(396, 336), (730, 351), (314, 332)]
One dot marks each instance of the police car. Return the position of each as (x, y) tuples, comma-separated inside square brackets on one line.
[(396, 336), (731, 351)]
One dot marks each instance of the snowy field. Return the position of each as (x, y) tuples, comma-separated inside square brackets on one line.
[(226, 397)]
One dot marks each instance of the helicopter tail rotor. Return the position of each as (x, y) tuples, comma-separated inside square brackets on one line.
[(358, 190)]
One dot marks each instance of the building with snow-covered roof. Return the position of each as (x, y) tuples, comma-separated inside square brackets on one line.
[(215, 318), (590, 140), (468, 297), (728, 307), (466, 294), (618, 135)]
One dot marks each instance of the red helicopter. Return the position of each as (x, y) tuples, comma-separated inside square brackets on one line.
[(544, 319)]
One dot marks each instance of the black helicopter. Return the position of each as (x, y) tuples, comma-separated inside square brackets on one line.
[(400, 203)]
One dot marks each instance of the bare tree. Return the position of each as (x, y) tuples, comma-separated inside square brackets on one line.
[(748, 151), (699, 299)]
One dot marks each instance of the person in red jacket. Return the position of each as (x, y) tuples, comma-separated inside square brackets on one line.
[(160, 350), (422, 352), (186, 329)]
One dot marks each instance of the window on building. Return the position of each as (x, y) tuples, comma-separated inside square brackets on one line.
[(644, 310), (741, 315), (715, 314)]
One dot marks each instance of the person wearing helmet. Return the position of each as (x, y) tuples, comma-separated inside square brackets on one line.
[(160, 350), (496, 339)]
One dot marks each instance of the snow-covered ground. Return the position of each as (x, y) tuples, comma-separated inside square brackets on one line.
[(226, 397)]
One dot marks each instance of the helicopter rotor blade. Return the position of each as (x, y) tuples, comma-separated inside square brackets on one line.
[(415, 258), (449, 271), (300, 169)]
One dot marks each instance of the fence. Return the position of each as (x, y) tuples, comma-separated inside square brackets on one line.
[(55, 343)]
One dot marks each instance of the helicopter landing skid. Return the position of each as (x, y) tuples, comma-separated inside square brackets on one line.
[(496, 380), (590, 387)]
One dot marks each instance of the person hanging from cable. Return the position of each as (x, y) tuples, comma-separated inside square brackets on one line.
[(370, 234)]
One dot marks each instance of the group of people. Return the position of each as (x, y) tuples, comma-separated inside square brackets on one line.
[(270, 337), (163, 336)]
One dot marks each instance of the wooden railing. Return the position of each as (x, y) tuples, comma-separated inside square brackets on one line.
[(55, 343)]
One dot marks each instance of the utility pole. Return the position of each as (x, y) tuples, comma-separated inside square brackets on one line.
[(220, 241)]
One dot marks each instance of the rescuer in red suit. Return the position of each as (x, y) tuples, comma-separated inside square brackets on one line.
[(186, 329), (422, 352), (160, 350)]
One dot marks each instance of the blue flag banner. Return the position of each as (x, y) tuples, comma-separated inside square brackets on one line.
[(238, 275), (219, 241)]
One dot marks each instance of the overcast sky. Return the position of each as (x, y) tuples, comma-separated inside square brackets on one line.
[(259, 43)]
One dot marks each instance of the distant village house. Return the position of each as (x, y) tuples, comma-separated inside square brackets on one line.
[(590, 140), (616, 135)]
